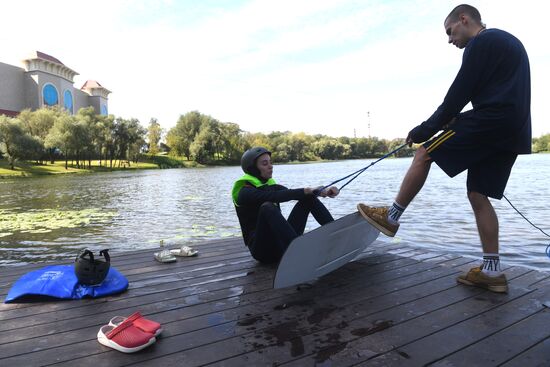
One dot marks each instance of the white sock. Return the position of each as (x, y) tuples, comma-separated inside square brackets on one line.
[(394, 212), (491, 264)]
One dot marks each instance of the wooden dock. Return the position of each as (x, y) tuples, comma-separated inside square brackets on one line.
[(396, 306)]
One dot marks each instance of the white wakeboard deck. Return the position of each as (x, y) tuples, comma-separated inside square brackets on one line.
[(324, 250)]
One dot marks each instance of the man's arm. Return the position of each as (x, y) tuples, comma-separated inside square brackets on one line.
[(250, 195), (461, 92)]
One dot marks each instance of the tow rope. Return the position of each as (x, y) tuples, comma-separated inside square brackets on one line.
[(356, 174), (531, 223)]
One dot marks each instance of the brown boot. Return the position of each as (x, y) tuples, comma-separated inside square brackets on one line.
[(475, 277), (378, 217)]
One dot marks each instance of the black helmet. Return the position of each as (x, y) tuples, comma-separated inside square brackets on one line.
[(248, 160), (90, 271)]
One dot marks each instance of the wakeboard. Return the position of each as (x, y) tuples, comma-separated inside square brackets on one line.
[(324, 250)]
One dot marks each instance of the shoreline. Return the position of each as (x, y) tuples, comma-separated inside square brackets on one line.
[(29, 169)]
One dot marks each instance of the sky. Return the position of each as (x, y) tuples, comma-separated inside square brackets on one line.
[(339, 68)]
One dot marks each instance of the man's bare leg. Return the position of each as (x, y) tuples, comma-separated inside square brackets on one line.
[(415, 178), (489, 276), (386, 219), (486, 220)]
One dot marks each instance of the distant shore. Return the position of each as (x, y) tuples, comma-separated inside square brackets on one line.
[(28, 169), (32, 169)]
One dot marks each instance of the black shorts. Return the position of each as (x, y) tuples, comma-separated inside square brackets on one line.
[(460, 148)]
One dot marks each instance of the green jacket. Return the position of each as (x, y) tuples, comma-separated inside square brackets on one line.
[(246, 178)]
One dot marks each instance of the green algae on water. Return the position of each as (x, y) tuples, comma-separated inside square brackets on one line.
[(47, 220)]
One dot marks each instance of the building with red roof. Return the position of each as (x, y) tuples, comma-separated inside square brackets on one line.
[(45, 81)]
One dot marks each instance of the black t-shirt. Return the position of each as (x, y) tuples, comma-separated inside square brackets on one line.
[(495, 78), (251, 198)]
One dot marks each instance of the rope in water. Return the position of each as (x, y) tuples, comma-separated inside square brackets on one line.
[(356, 174), (531, 223)]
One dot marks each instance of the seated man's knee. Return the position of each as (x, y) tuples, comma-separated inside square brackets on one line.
[(309, 199), (309, 202), (268, 206)]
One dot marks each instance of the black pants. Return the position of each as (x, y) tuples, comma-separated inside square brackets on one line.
[(274, 233)]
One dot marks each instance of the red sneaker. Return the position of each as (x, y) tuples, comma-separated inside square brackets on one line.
[(139, 321), (125, 338)]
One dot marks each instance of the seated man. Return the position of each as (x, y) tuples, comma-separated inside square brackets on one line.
[(256, 197)]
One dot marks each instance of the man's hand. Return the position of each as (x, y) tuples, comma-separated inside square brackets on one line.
[(331, 192), (312, 190), (419, 135)]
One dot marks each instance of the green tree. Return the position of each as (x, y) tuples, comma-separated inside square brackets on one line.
[(282, 153), (81, 141), (100, 131), (154, 135), (299, 147), (396, 143), (541, 144), (109, 139), (181, 136), (38, 124), (136, 140), (64, 136), (329, 148), (205, 146), (15, 143), (258, 140), (232, 142), (88, 137)]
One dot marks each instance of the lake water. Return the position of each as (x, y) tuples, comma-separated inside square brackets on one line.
[(52, 217)]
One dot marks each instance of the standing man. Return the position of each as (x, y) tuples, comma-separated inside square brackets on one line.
[(495, 78)]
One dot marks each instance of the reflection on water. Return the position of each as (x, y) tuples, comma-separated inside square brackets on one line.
[(50, 218)]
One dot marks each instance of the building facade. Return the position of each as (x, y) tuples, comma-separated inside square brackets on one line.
[(44, 81)]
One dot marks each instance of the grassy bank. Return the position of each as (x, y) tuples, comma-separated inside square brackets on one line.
[(29, 169), (166, 161)]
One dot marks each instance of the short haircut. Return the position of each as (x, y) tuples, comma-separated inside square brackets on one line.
[(464, 9)]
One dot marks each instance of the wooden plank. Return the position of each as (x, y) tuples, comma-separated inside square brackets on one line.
[(417, 318), (503, 311), (211, 344), (536, 356), (192, 270), (503, 345), (206, 309), (219, 308), (72, 320), (130, 260), (370, 318), (123, 259), (144, 264), (142, 284)]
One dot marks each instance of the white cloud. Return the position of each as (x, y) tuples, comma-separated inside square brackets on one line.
[(313, 66)]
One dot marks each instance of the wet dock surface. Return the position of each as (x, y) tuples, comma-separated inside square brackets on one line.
[(396, 306)]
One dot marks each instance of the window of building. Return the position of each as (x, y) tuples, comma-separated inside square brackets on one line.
[(68, 101), (104, 110), (50, 96)]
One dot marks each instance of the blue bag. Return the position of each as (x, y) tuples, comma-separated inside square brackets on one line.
[(60, 281)]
